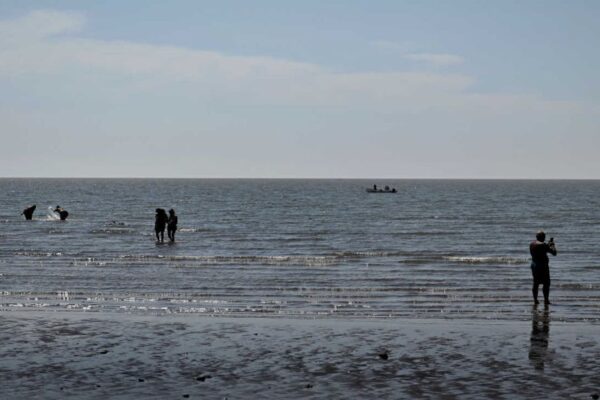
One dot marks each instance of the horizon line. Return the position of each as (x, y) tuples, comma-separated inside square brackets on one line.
[(305, 178)]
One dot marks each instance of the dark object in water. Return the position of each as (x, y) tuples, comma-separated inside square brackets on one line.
[(384, 355), (28, 212), (172, 225), (160, 223), (203, 378), (62, 212), (393, 190)]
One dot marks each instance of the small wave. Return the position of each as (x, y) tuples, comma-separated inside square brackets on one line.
[(38, 254), (193, 230), (112, 231), (368, 253), (473, 260), (51, 215), (242, 259), (578, 286), (424, 233), (485, 260), (297, 239)]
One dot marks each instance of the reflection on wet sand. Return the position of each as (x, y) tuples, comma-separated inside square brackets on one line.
[(540, 336), (85, 355)]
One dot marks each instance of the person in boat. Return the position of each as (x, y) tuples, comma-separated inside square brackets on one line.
[(160, 224), (540, 268), (387, 188), (393, 190), (375, 187), (172, 225), (28, 212), (61, 212)]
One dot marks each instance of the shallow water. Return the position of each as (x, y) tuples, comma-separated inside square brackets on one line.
[(436, 249)]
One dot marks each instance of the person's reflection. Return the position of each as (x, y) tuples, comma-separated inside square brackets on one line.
[(540, 336)]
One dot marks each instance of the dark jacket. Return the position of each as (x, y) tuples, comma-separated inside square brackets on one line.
[(539, 252)]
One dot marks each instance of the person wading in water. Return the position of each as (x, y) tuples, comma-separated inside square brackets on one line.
[(539, 265), (160, 224), (172, 225)]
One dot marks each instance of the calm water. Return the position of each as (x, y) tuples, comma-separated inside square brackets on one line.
[(441, 249)]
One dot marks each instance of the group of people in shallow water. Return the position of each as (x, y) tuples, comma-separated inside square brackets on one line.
[(162, 221), (28, 212)]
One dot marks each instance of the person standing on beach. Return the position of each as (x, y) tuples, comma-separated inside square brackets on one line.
[(172, 225), (540, 268), (160, 223), (28, 212)]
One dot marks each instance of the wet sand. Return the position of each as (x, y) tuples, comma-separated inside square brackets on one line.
[(102, 355)]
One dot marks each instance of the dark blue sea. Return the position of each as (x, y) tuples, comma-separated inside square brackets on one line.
[(455, 249)]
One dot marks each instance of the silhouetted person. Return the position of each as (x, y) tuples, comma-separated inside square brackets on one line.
[(28, 212), (61, 212), (540, 337), (539, 265), (387, 188), (160, 223), (393, 190), (172, 225)]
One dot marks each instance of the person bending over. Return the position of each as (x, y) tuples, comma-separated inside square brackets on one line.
[(28, 212), (61, 212)]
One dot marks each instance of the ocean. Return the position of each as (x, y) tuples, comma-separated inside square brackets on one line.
[(449, 249)]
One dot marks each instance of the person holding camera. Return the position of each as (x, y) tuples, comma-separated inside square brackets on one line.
[(540, 269)]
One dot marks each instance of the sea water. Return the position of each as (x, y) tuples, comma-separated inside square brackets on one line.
[(452, 249)]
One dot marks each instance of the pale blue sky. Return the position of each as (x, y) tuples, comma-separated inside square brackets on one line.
[(351, 89)]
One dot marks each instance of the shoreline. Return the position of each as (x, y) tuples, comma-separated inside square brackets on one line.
[(113, 355)]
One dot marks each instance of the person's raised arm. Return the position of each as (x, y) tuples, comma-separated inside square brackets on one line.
[(551, 247)]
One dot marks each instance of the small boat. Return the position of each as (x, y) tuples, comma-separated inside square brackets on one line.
[(386, 190)]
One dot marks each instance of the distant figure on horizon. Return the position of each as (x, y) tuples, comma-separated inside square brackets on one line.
[(61, 212), (160, 223), (374, 187), (172, 225), (28, 212), (540, 268)]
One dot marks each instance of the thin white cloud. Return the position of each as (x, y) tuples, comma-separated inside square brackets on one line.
[(406, 50), (436, 58), (41, 43), (32, 50), (144, 90), (40, 24)]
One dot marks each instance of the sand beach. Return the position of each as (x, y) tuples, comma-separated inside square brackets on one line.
[(71, 355)]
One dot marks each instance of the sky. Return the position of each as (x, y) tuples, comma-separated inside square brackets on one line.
[(300, 89)]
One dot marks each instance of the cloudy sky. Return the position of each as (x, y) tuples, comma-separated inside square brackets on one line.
[(347, 89)]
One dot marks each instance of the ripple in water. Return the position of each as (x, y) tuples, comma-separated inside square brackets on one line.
[(301, 248)]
